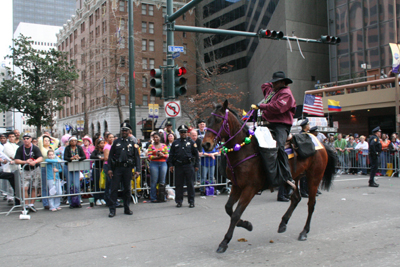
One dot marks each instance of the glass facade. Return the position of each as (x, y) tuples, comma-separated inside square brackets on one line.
[(47, 12), (241, 15), (366, 27)]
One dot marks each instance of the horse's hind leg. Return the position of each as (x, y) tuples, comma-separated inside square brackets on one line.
[(294, 201), (245, 197), (233, 198), (312, 192)]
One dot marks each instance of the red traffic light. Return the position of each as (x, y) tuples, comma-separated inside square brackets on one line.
[(270, 34), (180, 71)]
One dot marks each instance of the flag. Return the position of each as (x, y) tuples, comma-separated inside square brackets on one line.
[(313, 105), (334, 105), (245, 115)]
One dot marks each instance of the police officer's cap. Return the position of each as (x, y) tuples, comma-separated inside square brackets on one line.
[(183, 128), (168, 123), (304, 122), (201, 121), (125, 126), (314, 129), (376, 129)]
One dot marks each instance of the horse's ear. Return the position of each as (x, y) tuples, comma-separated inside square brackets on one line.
[(225, 105)]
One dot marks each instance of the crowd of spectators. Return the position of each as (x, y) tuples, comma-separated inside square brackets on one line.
[(352, 152)]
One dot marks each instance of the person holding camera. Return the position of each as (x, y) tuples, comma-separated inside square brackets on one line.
[(185, 157), (123, 158), (158, 154)]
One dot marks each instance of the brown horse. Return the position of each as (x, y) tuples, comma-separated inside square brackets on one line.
[(245, 170)]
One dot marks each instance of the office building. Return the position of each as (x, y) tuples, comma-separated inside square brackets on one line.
[(47, 12)]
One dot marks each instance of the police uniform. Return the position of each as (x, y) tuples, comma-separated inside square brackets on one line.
[(303, 125), (375, 148), (123, 157), (185, 157)]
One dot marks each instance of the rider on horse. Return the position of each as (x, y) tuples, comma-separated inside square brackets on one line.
[(278, 109)]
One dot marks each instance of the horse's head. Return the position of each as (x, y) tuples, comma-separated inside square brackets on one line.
[(217, 126)]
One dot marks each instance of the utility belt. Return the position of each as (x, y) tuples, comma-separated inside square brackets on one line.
[(183, 162), (124, 164)]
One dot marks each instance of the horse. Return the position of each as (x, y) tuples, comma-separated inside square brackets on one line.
[(245, 170)]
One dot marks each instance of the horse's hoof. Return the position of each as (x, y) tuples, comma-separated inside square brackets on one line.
[(221, 249), (282, 228), (302, 237), (246, 225)]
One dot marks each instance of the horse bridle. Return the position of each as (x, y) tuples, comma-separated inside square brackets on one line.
[(225, 127)]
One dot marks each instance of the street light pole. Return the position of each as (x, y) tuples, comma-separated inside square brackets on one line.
[(132, 100)]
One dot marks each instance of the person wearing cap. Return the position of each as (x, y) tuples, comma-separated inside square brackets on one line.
[(182, 156), (305, 126), (201, 132), (88, 146), (278, 108), (375, 148), (168, 128), (73, 152), (30, 156), (122, 159), (320, 136)]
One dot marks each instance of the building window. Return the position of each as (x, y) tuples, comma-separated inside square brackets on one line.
[(145, 101), (75, 34), (82, 27), (122, 80), (91, 38), (164, 47), (122, 61), (144, 45), (122, 24), (151, 27), (184, 34), (104, 23), (152, 99), (144, 63), (83, 43), (164, 11), (184, 16), (164, 62), (144, 27), (151, 45), (144, 82), (151, 63), (97, 14), (123, 100), (164, 29), (91, 20), (122, 5), (144, 9), (151, 10), (184, 48)]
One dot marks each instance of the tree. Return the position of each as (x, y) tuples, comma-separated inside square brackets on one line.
[(38, 86)]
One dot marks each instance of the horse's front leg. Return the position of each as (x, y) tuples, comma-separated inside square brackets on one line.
[(245, 197), (233, 198), (294, 201)]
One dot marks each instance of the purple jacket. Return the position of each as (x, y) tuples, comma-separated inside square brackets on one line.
[(281, 107)]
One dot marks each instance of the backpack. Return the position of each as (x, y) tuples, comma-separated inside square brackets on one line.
[(303, 145)]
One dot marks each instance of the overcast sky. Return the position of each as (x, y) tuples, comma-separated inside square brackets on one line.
[(6, 27)]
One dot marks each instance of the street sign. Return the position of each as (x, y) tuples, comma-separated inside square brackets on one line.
[(172, 48), (176, 54), (172, 109)]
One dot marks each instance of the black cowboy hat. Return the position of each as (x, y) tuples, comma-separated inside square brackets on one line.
[(279, 76)]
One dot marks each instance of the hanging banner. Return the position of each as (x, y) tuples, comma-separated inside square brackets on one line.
[(151, 110), (395, 57), (155, 110)]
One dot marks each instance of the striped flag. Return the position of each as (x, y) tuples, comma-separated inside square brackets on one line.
[(334, 105), (313, 105)]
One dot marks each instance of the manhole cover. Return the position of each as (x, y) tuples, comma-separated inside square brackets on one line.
[(75, 224)]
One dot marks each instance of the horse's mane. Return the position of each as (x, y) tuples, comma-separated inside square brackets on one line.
[(246, 128)]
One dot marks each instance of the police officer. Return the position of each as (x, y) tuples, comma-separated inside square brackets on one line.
[(124, 156), (183, 155), (375, 148), (305, 126)]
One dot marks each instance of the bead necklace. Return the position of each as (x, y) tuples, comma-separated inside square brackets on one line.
[(237, 147)]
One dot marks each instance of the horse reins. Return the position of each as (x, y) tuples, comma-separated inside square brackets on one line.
[(225, 127)]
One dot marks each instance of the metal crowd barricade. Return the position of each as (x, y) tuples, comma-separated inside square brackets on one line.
[(359, 163), (8, 192), (141, 187)]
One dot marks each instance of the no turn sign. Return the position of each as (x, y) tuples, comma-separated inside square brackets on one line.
[(172, 109)]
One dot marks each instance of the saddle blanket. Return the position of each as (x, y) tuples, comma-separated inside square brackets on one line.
[(317, 144)]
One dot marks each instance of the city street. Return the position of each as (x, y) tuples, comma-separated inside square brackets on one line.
[(353, 225)]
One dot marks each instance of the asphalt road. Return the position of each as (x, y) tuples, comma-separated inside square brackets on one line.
[(353, 225)]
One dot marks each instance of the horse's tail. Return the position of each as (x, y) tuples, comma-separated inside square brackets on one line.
[(329, 173)]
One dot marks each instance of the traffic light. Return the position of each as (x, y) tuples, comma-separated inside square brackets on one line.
[(327, 39), (180, 82), (270, 34), (156, 82)]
